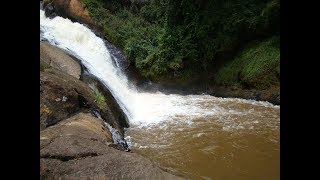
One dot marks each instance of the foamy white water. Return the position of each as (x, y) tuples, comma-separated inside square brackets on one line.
[(142, 109)]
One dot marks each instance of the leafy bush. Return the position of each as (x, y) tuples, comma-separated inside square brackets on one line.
[(182, 39), (44, 66), (257, 66), (99, 99)]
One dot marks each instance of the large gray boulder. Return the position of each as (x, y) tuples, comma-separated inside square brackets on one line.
[(79, 148)]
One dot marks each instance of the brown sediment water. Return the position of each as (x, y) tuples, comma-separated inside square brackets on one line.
[(239, 140)]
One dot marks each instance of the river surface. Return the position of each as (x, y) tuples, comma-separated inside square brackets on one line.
[(236, 139), (194, 136)]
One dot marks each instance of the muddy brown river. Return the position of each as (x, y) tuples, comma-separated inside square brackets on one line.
[(229, 139)]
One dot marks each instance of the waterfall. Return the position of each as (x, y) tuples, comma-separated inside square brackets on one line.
[(141, 108), (199, 136), (81, 42)]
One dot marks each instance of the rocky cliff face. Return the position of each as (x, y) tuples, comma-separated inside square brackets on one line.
[(74, 144), (63, 94)]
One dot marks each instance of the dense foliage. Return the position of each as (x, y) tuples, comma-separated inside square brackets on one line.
[(257, 66), (182, 40)]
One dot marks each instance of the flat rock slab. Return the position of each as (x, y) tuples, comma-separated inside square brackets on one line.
[(79, 135), (78, 148), (58, 59)]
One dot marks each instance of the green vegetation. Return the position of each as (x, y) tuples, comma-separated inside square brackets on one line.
[(99, 99), (182, 40), (44, 66), (257, 66)]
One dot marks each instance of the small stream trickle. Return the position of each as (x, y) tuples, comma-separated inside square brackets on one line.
[(116, 136)]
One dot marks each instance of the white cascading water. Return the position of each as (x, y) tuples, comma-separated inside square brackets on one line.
[(142, 109)]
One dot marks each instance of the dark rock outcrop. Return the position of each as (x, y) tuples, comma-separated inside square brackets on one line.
[(62, 95), (72, 9), (78, 148), (118, 115), (49, 10)]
